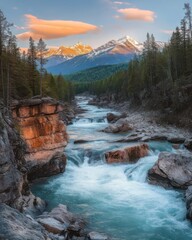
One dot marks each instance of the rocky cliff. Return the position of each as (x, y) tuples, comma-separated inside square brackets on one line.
[(44, 133), (12, 172)]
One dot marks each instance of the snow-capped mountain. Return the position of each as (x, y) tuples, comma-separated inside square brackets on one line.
[(113, 52), (58, 55), (68, 51)]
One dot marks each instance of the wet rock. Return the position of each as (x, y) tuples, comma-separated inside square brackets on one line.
[(128, 155), (30, 205), (188, 144), (97, 236), (112, 118), (188, 199), (52, 225), (80, 141), (176, 139), (121, 125), (61, 221), (16, 226), (40, 169), (172, 170)]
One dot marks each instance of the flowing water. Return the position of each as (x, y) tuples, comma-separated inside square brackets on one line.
[(114, 199)]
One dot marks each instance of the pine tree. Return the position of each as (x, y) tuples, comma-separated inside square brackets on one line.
[(5, 33), (41, 49), (32, 57)]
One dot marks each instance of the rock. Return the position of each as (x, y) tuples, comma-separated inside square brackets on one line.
[(97, 236), (30, 205), (127, 155), (188, 144), (52, 225), (172, 170), (44, 133), (17, 226), (121, 125), (188, 199), (176, 146), (129, 139), (80, 141), (49, 168), (60, 220), (112, 118), (175, 139), (13, 182)]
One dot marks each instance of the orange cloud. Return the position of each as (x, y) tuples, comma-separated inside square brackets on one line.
[(137, 14), (52, 29)]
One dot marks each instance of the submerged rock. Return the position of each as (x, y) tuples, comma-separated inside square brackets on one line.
[(122, 125), (128, 155), (172, 170)]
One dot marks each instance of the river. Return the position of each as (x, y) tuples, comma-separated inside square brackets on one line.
[(114, 199)]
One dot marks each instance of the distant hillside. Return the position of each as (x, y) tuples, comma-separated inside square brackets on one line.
[(96, 73)]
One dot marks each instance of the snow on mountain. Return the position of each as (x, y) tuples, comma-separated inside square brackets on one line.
[(113, 52), (69, 51)]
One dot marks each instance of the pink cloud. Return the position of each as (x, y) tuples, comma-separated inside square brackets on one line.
[(131, 14), (53, 29)]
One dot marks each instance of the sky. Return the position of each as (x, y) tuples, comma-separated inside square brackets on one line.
[(92, 22)]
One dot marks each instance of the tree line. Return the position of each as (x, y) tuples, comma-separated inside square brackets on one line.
[(162, 77), (22, 75)]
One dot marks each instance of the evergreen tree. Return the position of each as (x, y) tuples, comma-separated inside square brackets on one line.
[(41, 49), (32, 57)]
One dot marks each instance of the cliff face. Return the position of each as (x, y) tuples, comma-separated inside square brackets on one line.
[(44, 133), (13, 183)]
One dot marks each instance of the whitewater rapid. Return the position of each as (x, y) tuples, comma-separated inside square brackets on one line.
[(114, 199)]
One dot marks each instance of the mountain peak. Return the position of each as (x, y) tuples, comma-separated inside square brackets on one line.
[(69, 51)]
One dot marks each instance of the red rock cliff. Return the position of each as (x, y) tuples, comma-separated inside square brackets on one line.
[(44, 133)]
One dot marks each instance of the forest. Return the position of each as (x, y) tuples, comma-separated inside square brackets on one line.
[(156, 78), (22, 75)]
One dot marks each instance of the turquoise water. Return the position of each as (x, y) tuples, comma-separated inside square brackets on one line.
[(114, 199)]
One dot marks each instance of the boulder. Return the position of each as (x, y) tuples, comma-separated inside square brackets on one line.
[(97, 236), (172, 170), (175, 139), (40, 169), (61, 221), (121, 125), (17, 226), (188, 144), (112, 118), (128, 155)]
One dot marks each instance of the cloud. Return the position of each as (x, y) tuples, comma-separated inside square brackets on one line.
[(169, 32), (53, 29), (131, 14), (121, 3)]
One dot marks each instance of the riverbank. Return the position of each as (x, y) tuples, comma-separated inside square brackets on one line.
[(145, 120)]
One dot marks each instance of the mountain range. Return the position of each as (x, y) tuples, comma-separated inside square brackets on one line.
[(68, 60)]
